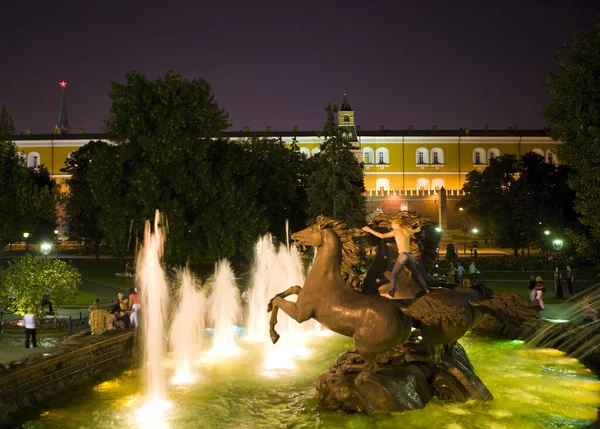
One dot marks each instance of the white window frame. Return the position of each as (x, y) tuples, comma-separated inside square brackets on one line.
[(368, 155), (31, 159), (425, 153), (382, 182), (315, 151), (423, 183), (305, 151), (482, 157), (382, 154), (493, 152), (440, 154), (437, 183)]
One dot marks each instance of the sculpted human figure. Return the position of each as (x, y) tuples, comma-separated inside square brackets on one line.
[(402, 234)]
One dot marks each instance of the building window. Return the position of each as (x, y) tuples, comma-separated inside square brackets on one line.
[(437, 155), (493, 153), (423, 184), (316, 151), (422, 156), (33, 160), (346, 118), (368, 156), (478, 156), (539, 151), (344, 135), (438, 184), (383, 156), (305, 151), (551, 157), (382, 184), (350, 135)]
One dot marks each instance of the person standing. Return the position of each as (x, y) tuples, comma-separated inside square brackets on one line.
[(402, 235), (539, 292), (30, 327), (558, 289), (134, 301), (459, 273), (570, 279)]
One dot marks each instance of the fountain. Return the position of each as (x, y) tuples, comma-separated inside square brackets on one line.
[(155, 301), (187, 328), (528, 383), (224, 310)]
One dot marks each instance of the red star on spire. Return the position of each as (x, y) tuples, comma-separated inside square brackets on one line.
[(63, 84)]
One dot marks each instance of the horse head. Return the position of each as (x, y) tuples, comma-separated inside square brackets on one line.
[(309, 237)]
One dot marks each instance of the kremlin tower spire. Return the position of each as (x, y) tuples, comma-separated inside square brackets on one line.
[(62, 126)]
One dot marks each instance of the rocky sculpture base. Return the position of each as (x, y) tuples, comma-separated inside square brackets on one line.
[(403, 382)]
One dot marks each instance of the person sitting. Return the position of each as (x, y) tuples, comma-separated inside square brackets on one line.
[(93, 306), (109, 321), (97, 320), (589, 314), (123, 314)]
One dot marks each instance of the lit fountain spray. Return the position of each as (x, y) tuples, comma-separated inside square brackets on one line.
[(274, 271), (187, 328), (225, 310), (155, 300)]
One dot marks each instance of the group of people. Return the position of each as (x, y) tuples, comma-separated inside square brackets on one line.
[(123, 314), (459, 272)]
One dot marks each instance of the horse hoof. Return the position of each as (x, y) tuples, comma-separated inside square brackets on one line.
[(274, 337), (270, 306)]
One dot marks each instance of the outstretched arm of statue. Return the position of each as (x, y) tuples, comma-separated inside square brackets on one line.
[(378, 234)]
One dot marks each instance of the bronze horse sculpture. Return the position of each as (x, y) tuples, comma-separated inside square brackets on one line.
[(376, 324)]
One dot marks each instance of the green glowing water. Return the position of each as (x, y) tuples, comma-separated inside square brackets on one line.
[(532, 389)]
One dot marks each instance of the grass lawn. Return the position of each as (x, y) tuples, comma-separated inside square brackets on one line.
[(84, 298), (104, 271)]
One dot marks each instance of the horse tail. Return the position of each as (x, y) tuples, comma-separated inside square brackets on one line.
[(508, 308)]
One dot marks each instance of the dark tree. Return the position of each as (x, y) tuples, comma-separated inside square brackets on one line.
[(336, 183), (83, 208), (574, 117), (515, 200)]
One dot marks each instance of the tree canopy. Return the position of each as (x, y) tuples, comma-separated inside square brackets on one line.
[(336, 183), (28, 196), (515, 200), (30, 280), (217, 195), (574, 117)]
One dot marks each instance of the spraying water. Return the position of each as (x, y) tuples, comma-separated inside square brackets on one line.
[(155, 300), (225, 310), (187, 328)]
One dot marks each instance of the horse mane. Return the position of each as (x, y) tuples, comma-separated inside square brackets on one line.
[(351, 251)]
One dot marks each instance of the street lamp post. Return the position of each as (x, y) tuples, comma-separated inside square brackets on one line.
[(26, 236), (557, 244), (475, 243), (464, 230)]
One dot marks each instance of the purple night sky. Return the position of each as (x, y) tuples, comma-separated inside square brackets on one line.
[(459, 64)]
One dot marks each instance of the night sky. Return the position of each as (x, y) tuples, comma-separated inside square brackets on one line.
[(455, 64)]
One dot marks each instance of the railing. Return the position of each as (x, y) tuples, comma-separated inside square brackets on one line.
[(412, 193)]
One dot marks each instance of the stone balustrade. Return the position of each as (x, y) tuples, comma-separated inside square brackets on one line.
[(23, 384)]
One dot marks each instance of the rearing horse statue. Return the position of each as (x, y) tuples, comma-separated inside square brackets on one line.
[(376, 324)]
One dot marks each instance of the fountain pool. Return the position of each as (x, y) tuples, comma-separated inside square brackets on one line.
[(533, 388)]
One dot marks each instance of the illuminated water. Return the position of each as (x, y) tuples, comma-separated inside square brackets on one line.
[(532, 388)]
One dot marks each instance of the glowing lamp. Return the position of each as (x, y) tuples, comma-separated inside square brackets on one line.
[(46, 248)]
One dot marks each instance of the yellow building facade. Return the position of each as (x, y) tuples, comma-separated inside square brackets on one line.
[(396, 162)]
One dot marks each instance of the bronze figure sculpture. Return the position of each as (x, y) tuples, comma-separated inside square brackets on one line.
[(391, 361)]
